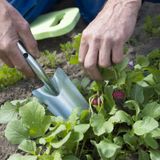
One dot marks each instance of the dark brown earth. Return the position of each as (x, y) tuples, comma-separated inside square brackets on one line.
[(23, 88)]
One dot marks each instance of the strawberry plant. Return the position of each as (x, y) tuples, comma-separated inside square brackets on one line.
[(122, 121)]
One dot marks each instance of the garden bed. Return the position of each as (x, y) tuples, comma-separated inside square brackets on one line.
[(141, 43)]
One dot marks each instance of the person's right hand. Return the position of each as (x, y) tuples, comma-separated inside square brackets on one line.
[(13, 27)]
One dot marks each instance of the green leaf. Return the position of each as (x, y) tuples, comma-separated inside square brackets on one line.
[(89, 157), (84, 116), (76, 42), (85, 82), (153, 54), (56, 121), (156, 75), (135, 76), (118, 140), (110, 103), (70, 157), (155, 155), (22, 102), (148, 25), (73, 59), (48, 59), (54, 133), (157, 88), (156, 133), (60, 143), (143, 84), (121, 66), (143, 155), (133, 105), (99, 125), (108, 74), (137, 94), (75, 137), (148, 92), (82, 128), (57, 155), (47, 157), (16, 132), (78, 133), (151, 142), (73, 140), (131, 140), (149, 79), (106, 149), (72, 120), (142, 60), (121, 79), (28, 146), (94, 86), (146, 125), (20, 157), (151, 109), (8, 112), (9, 76), (121, 117), (33, 116)]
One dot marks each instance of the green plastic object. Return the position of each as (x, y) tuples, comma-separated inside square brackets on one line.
[(55, 24)]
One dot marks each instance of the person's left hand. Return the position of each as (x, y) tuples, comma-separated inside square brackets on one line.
[(103, 40)]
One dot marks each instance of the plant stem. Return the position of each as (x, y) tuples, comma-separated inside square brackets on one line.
[(116, 75), (76, 152), (81, 151)]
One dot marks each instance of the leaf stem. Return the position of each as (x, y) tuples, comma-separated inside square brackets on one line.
[(81, 151), (76, 152)]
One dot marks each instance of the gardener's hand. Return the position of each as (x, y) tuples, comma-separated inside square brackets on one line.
[(13, 28), (103, 40)]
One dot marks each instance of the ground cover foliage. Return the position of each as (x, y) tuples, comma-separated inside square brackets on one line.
[(9, 76), (122, 121)]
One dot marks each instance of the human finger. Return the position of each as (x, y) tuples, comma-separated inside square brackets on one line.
[(105, 54), (18, 61), (5, 59), (24, 32), (83, 50), (90, 62), (28, 40), (117, 53)]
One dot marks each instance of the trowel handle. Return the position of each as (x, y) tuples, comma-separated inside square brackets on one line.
[(36, 68)]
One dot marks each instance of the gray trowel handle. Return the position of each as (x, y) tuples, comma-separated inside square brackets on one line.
[(36, 68)]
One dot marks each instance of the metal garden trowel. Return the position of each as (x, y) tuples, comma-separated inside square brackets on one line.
[(59, 93)]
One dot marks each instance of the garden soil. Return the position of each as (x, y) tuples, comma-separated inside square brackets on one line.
[(24, 88)]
